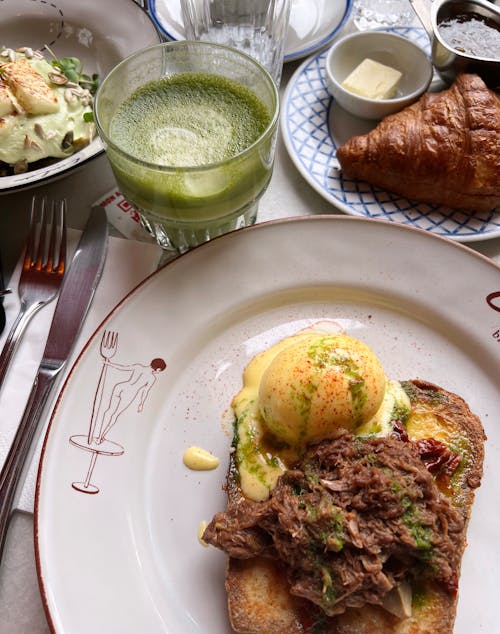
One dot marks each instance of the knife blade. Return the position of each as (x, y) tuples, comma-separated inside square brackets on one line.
[(75, 297), (77, 290)]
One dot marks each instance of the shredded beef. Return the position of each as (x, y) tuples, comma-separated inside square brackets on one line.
[(352, 520)]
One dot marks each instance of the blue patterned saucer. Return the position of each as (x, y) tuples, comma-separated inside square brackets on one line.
[(314, 125)]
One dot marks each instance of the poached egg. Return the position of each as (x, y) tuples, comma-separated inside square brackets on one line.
[(306, 388)]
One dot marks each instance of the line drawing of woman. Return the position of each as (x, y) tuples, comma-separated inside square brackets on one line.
[(124, 393), (112, 397)]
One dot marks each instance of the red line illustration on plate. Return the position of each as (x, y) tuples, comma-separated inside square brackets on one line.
[(111, 400)]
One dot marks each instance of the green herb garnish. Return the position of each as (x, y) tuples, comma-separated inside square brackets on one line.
[(72, 68)]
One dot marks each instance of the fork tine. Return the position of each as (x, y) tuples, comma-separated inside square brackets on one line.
[(106, 339), (61, 262), (56, 259), (109, 340), (45, 218), (30, 244), (51, 253)]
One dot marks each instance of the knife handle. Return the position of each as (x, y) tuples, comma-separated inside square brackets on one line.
[(20, 448), (14, 337)]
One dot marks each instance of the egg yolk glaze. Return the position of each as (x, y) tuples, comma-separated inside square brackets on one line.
[(306, 388), (318, 385)]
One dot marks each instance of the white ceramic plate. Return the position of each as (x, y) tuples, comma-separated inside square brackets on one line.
[(100, 34), (313, 23), (314, 125), (124, 556)]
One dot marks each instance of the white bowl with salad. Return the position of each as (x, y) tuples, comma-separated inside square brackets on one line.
[(52, 57)]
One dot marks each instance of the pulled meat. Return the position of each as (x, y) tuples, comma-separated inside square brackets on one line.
[(353, 519)]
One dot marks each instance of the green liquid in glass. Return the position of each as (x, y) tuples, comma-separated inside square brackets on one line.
[(195, 127), (188, 120)]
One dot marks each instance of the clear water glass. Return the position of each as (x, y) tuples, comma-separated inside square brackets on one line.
[(257, 28), (376, 14)]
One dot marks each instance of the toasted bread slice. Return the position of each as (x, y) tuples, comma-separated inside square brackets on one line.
[(259, 603), (259, 600)]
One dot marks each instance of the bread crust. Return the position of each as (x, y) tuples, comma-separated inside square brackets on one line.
[(258, 598)]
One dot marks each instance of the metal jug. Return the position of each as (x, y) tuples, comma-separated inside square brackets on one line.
[(448, 61)]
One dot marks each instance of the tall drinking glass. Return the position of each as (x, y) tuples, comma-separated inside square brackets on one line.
[(182, 159), (257, 27), (379, 14)]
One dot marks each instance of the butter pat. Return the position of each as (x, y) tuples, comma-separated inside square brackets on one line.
[(373, 80)]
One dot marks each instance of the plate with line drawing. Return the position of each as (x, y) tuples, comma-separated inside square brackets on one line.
[(314, 125), (117, 512)]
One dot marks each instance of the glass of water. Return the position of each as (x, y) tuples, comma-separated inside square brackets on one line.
[(376, 14), (257, 28)]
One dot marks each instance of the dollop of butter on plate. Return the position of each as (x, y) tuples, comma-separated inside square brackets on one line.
[(373, 80)]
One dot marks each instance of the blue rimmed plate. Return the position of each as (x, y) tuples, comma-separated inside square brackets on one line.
[(314, 125), (313, 23)]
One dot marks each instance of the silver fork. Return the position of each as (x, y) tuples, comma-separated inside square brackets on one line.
[(42, 272)]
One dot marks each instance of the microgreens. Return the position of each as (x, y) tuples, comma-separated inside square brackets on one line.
[(72, 68)]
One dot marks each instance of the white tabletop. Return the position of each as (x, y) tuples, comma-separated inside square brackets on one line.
[(288, 195)]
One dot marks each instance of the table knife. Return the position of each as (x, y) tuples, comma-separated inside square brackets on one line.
[(75, 297)]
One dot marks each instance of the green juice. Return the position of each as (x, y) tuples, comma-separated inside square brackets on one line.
[(193, 138)]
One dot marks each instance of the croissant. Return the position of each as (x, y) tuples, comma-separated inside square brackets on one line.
[(444, 149)]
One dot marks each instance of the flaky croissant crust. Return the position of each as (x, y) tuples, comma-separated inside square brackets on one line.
[(443, 149)]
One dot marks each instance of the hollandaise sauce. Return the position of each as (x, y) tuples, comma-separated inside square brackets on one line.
[(258, 465), (306, 388), (199, 459)]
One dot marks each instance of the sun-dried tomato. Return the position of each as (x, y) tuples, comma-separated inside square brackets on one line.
[(399, 431), (437, 456)]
